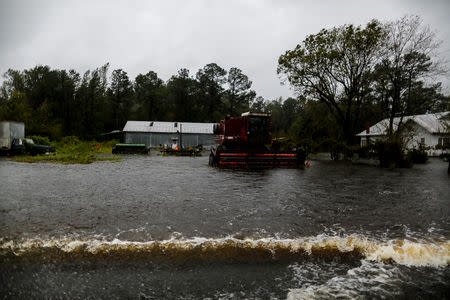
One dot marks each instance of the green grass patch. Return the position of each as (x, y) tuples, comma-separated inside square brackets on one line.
[(70, 150)]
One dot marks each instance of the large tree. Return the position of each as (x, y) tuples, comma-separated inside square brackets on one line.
[(408, 59), (239, 94), (148, 92), (182, 92), (120, 94), (334, 66), (91, 103), (210, 81)]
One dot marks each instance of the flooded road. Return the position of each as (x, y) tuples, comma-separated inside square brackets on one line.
[(171, 227)]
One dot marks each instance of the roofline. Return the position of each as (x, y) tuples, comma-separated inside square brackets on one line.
[(254, 114), (409, 118), (168, 132)]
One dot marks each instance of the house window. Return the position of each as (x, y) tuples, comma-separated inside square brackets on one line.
[(443, 141), (422, 141), (363, 142)]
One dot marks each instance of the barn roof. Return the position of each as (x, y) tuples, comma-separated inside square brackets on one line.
[(168, 127), (433, 123)]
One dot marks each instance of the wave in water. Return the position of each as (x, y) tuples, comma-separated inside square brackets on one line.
[(405, 252), (371, 279)]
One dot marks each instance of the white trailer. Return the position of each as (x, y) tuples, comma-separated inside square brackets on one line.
[(10, 131)]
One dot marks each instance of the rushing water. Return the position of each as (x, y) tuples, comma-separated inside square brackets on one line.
[(172, 227)]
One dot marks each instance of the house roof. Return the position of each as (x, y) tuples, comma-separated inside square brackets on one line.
[(433, 123), (168, 127)]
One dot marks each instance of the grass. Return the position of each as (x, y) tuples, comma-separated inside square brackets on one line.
[(70, 150)]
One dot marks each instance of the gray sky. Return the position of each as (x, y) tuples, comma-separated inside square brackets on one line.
[(164, 36)]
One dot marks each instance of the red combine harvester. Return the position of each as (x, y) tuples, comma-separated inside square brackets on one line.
[(242, 143)]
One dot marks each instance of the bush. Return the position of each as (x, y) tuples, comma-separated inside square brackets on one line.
[(40, 140), (418, 156), (442, 147), (70, 140), (70, 150), (390, 154), (367, 151)]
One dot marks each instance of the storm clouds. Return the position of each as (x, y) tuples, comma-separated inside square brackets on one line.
[(164, 36)]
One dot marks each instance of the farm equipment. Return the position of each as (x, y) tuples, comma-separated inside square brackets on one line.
[(246, 142)]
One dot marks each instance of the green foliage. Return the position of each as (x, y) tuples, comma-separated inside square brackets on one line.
[(70, 141), (405, 62), (239, 95), (333, 67), (210, 83), (368, 151), (365, 74), (347, 77), (442, 147), (418, 156), (70, 150), (40, 140), (390, 154), (149, 90), (59, 103)]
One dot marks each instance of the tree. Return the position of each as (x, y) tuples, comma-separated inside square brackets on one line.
[(314, 125), (334, 66), (291, 108), (92, 104), (258, 105), (148, 91), (182, 91), (210, 80), (14, 82), (406, 61), (16, 108), (65, 107), (120, 94), (238, 94), (275, 109)]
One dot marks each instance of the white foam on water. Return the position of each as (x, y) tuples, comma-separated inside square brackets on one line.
[(370, 278), (402, 251), (411, 253)]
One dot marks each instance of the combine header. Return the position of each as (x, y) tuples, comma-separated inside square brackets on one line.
[(246, 142)]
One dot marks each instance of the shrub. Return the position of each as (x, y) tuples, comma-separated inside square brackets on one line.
[(418, 156), (40, 140), (70, 140), (442, 147), (390, 154)]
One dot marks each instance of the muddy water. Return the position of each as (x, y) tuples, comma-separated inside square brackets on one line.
[(171, 227)]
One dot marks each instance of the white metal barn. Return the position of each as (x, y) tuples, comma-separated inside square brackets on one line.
[(156, 134), (429, 130)]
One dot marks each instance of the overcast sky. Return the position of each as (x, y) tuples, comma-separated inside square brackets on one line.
[(164, 36)]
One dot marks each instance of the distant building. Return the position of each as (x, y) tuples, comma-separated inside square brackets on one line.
[(429, 130), (155, 134)]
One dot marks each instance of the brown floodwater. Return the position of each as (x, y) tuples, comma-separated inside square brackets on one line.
[(172, 227)]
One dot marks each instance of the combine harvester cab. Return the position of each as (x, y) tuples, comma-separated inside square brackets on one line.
[(246, 142)]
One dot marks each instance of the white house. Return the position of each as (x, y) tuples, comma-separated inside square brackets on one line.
[(428, 130)]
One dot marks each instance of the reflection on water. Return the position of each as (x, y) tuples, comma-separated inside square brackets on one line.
[(368, 230)]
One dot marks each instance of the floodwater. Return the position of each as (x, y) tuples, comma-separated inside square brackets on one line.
[(172, 227)]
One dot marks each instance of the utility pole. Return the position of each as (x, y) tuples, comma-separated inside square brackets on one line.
[(181, 136)]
